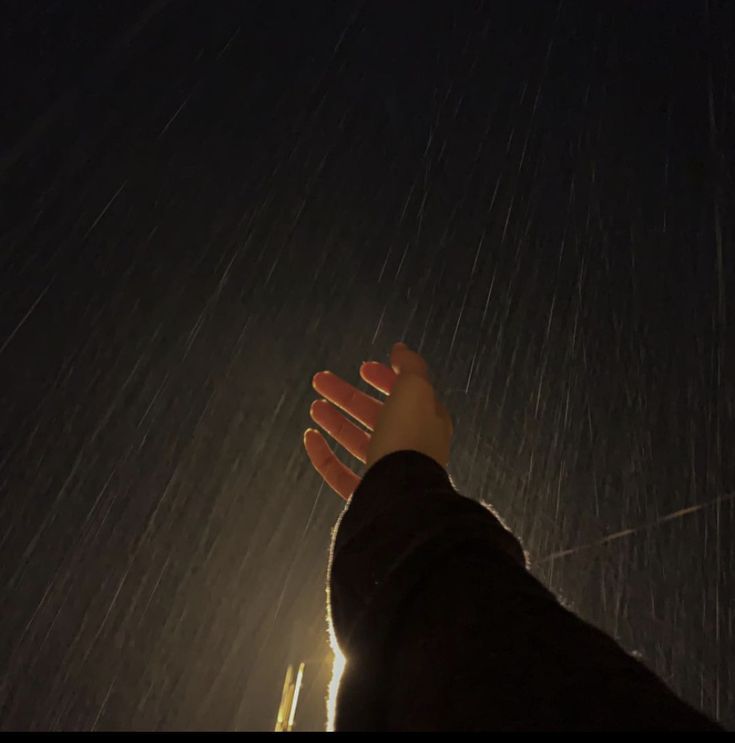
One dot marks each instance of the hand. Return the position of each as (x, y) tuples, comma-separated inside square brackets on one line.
[(412, 418)]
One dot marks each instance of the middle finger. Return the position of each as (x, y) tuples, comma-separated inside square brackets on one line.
[(360, 406), (355, 439)]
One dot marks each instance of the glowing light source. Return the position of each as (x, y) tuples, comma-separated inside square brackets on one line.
[(297, 689), (284, 708), (338, 667)]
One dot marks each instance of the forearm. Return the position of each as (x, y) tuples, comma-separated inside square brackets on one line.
[(444, 628), (404, 515), (497, 651)]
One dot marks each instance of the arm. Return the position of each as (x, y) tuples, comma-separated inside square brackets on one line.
[(445, 629), (442, 626)]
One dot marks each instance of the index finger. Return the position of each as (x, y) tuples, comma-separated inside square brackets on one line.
[(378, 375), (360, 406)]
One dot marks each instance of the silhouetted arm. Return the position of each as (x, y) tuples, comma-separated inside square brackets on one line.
[(444, 628)]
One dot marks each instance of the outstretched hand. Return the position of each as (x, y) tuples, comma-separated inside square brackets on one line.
[(411, 418)]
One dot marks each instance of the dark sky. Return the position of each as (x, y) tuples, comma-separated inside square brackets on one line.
[(202, 204)]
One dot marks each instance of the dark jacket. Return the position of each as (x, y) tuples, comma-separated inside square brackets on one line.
[(444, 628)]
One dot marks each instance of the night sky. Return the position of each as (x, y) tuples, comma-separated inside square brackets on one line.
[(204, 203)]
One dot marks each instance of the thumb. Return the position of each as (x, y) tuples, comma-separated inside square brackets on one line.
[(405, 361)]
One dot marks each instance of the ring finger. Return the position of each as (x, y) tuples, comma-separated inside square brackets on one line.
[(343, 431)]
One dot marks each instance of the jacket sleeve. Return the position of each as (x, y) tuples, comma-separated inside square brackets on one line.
[(444, 628)]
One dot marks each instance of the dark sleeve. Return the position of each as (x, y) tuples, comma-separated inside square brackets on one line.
[(444, 628)]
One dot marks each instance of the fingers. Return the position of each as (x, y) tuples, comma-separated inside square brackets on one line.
[(339, 477), (359, 405), (378, 375), (343, 431), (404, 364), (405, 361)]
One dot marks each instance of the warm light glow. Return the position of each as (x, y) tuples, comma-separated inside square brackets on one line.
[(297, 689), (286, 697), (338, 667)]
